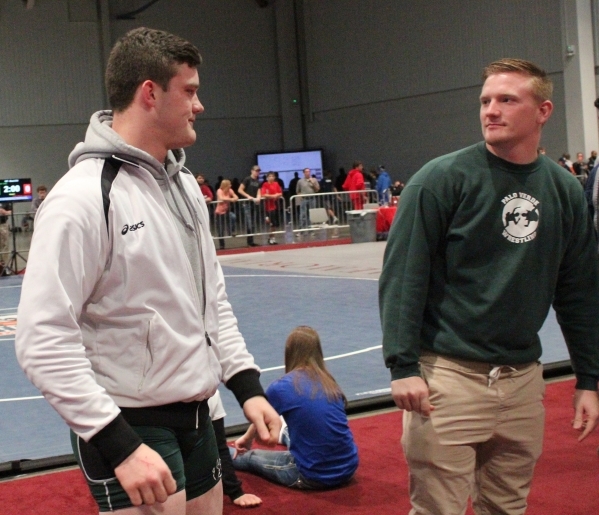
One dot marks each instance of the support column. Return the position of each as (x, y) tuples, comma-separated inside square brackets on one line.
[(579, 77), (289, 81)]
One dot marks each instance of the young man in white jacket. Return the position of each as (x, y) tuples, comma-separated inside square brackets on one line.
[(124, 322)]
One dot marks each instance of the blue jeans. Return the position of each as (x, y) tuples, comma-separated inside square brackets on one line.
[(249, 210), (228, 220), (276, 466), (305, 207)]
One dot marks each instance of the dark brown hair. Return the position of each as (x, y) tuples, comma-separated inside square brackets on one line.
[(304, 352), (145, 54)]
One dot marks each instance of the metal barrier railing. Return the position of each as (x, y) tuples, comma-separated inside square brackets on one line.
[(269, 219), (335, 204), (246, 218)]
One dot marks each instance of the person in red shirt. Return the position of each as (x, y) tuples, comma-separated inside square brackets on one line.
[(206, 191), (355, 182), (271, 191)]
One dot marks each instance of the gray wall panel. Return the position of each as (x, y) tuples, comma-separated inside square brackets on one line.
[(398, 82), (390, 80), (39, 152), (50, 66), (363, 52), (405, 134), (237, 42), (227, 147)]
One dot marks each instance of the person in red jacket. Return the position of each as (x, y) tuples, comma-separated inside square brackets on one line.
[(354, 183)]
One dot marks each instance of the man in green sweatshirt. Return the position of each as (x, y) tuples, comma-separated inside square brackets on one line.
[(485, 241)]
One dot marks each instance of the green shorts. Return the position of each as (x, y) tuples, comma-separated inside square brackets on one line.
[(192, 456)]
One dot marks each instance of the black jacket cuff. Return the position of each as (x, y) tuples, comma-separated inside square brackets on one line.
[(245, 385), (116, 441)]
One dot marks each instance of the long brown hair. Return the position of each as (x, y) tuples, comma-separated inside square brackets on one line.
[(304, 352)]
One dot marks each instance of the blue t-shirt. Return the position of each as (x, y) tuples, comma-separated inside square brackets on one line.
[(321, 441)]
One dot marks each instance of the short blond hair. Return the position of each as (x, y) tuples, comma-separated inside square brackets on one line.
[(542, 87)]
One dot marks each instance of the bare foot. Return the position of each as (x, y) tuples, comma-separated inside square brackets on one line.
[(248, 501)]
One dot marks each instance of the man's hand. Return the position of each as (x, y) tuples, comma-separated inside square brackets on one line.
[(411, 394), (145, 477), (586, 412), (266, 420), (244, 443)]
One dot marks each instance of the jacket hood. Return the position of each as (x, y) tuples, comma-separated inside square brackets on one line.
[(102, 142)]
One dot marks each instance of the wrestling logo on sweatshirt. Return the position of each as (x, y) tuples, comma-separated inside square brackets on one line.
[(520, 217)]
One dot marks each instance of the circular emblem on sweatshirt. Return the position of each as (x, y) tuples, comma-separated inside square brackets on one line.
[(520, 217)]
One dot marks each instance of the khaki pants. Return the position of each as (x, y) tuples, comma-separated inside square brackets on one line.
[(4, 254), (482, 439)]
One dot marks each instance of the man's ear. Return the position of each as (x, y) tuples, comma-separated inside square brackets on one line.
[(545, 110), (147, 92)]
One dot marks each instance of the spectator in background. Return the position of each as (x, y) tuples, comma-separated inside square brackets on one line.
[(204, 188), (370, 179), (249, 189), (326, 186), (397, 188), (591, 160), (293, 183), (231, 483), (271, 191), (591, 188), (383, 186), (565, 162), (224, 216), (344, 203), (354, 182), (340, 179), (5, 212), (279, 181), (322, 453), (579, 166), (235, 185), (28, 219), (306, 186), (590, 192), (42, 191)]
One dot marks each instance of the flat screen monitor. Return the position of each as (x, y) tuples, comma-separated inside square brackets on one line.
[(287, 163), (16, 190)]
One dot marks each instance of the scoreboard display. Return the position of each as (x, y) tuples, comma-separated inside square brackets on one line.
[(16, 190)]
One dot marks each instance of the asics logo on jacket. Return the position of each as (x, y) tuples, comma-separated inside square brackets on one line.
[(134, 227)]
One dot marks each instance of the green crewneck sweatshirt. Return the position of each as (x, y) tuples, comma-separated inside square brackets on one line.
[(479, 251)]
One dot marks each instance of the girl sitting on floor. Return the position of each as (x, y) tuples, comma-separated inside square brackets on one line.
[(322, 453)]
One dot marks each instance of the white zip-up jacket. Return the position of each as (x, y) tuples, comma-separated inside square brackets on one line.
[(110, 315)]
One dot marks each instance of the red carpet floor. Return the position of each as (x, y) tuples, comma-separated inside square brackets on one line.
[(565, 480)]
